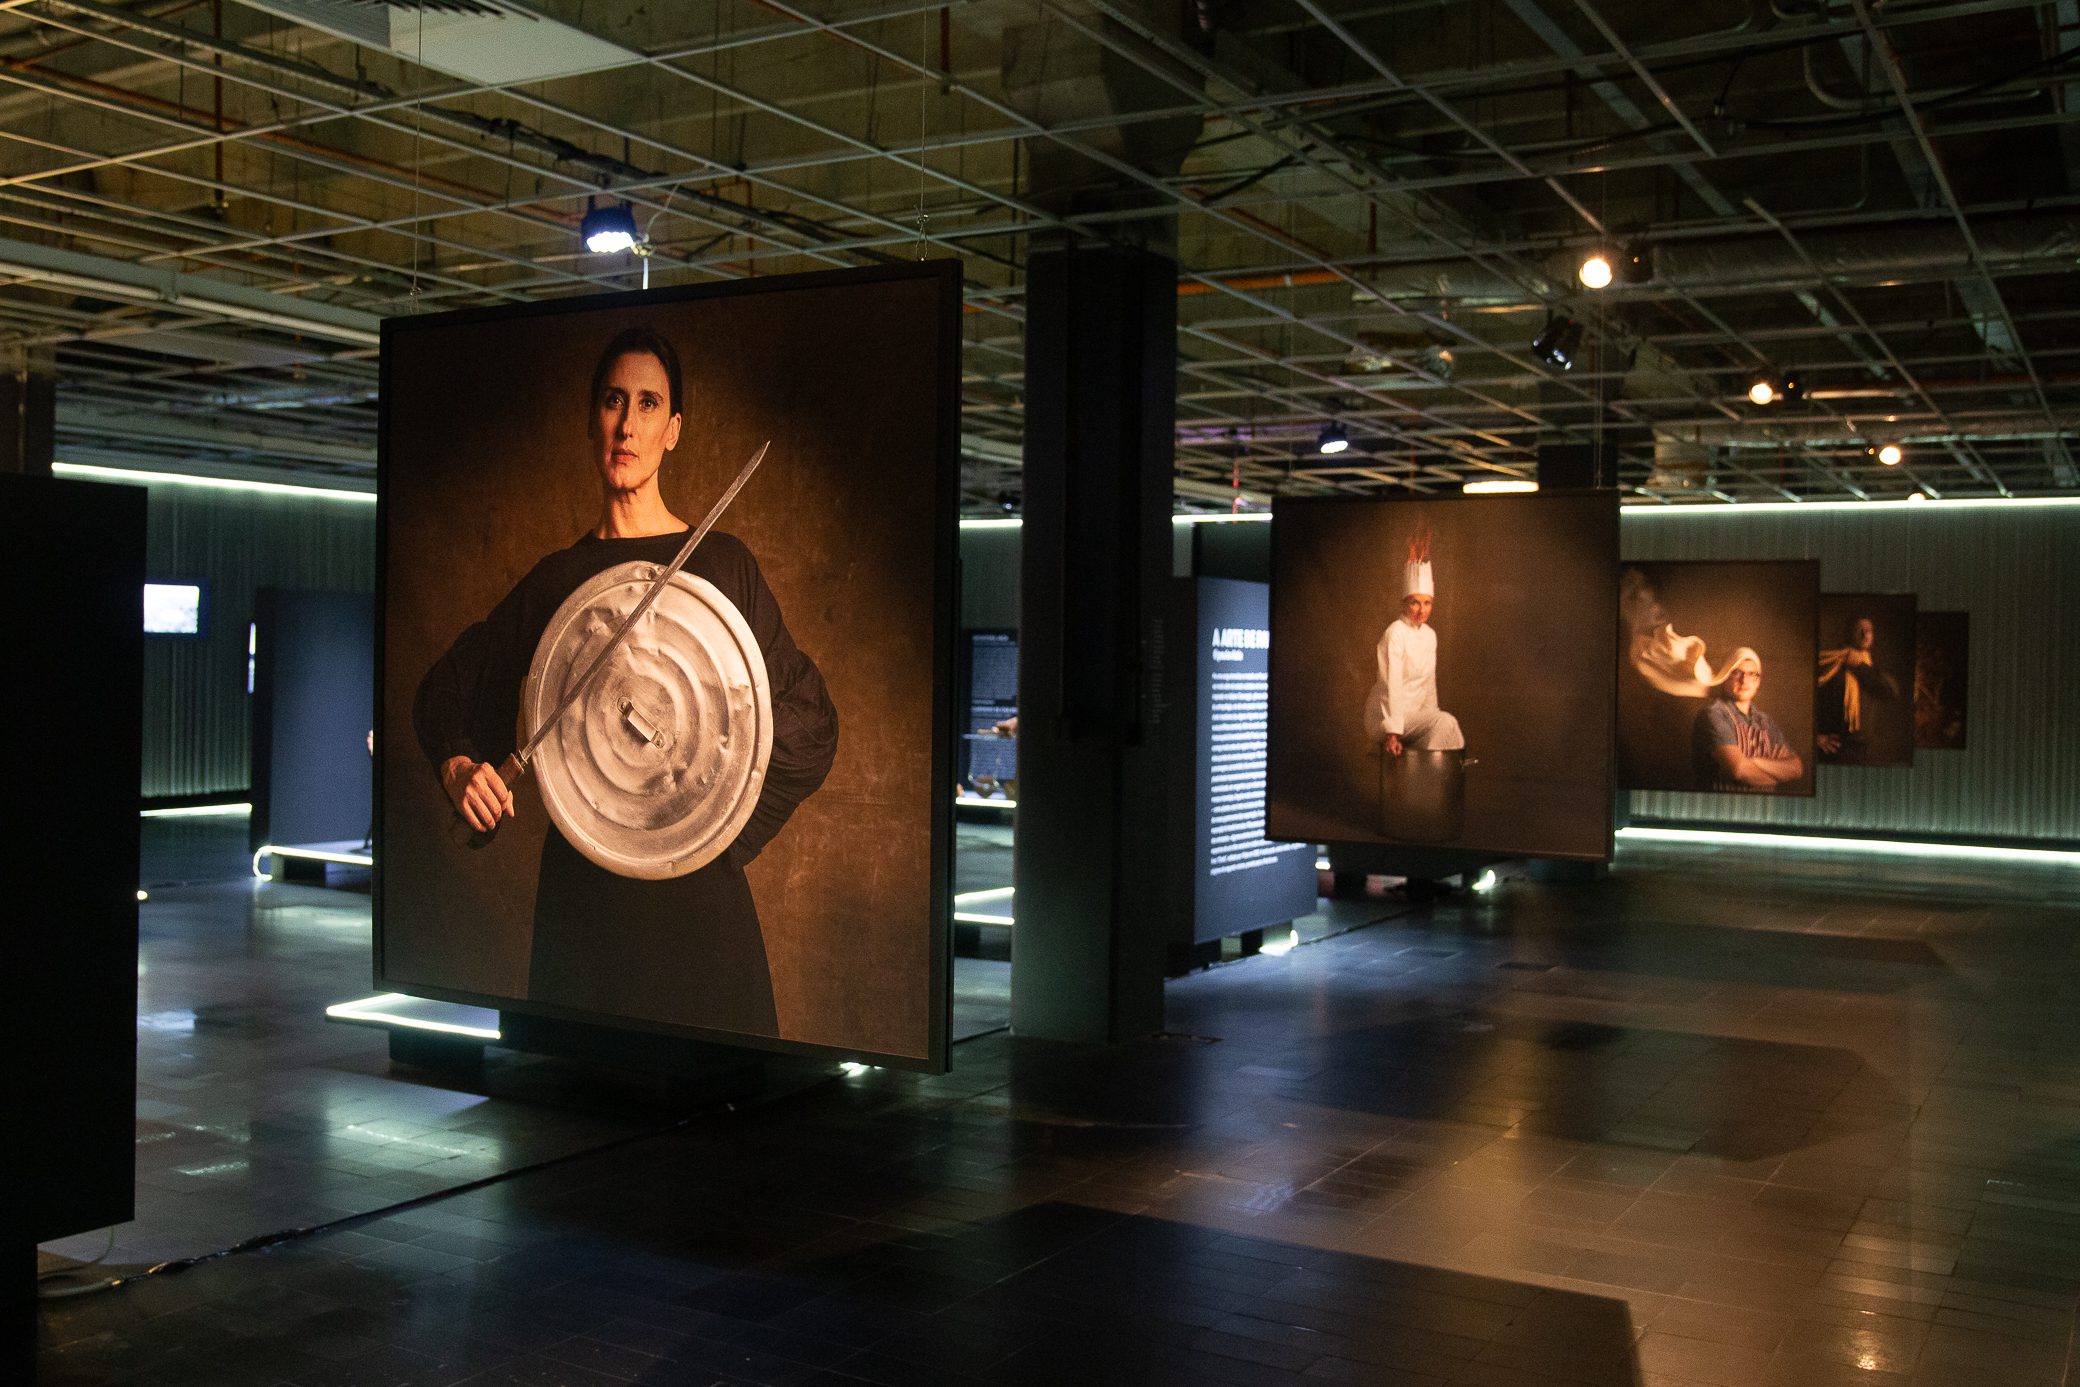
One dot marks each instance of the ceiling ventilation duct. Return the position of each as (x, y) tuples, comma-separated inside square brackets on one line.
[(492, 42), (1680, 464), (1071, 69)]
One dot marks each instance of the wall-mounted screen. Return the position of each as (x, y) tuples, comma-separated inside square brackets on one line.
[(1716, 676), (1863, 697), (1441, 672), (1942, 678), (173, 609), (738, 828)]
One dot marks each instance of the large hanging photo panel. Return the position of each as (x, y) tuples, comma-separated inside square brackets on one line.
[(1441, 672), (1942, 679), (1716, 676), (732, 818), (1863, 698)]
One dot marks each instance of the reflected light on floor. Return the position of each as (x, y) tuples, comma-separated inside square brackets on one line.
[(1284, 944)]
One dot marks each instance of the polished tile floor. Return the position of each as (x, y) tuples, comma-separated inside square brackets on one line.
[(1725, 1118)]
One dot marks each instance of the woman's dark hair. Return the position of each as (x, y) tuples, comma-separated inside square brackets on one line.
[(638, 341)]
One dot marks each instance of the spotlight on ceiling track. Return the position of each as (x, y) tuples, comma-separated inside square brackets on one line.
[(1596, 272), (1890, 454), (1559, 342), (1762, 391), (1917, 495), (1334, 439), (1775, 387), (608, 230)]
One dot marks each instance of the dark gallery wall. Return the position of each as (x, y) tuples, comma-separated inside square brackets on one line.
[(989, 577), (197, 715), (2016, 570)]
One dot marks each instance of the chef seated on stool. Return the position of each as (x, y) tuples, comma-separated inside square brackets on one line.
[(1402, 712)]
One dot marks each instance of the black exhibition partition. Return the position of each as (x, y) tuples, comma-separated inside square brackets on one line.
[(1226, 878), (314, 677), (74, 574)]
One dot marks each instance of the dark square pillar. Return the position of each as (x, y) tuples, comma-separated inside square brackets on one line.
[(1100, 391)]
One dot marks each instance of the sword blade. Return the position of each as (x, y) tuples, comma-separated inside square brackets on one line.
[(577, 689)]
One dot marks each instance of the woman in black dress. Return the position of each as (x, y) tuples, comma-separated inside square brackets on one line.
[(686, 950)]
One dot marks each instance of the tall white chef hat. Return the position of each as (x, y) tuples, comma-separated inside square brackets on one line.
[(1416, 577)]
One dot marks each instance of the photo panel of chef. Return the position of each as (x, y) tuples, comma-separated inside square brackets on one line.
[(635, 771), (1441, 672), (1942, 679), (1863, 707), (1715, 676)]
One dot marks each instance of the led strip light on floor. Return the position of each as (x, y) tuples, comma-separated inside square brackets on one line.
[(1893, 847), (198, 811), (350, 859), (382, 1010), (964, 906)]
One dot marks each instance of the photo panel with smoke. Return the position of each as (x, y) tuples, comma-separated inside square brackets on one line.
[(1441, 672), (1715, 682)]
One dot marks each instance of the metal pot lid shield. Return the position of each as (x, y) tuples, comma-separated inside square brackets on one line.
[(655, 770)]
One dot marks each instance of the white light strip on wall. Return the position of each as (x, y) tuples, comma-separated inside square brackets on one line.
[(1013, 522), (1891, 847), (1632, 508), (350, 859), (198, 811), (377, 1009), (87, 472)]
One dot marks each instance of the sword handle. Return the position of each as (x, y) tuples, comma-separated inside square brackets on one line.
[(460, 831)]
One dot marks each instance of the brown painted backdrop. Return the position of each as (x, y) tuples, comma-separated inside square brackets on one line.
[(1772, 607), (1942, 679), (486, 468), (1526, 634)]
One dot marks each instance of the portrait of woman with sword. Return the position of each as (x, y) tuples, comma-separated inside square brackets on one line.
[(645, 678)]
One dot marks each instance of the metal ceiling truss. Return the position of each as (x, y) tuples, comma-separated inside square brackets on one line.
[(205, 207)]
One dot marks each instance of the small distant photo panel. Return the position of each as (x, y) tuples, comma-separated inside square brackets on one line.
[(1716, 675), (733, 822), (1441, 673), (1942, 677), (1863, 680)]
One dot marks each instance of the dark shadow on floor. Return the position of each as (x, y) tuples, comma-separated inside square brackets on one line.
[(1706, 1095), (1050, 1293)]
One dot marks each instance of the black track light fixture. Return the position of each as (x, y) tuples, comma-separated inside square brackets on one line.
[(1335, 438), (607, 230), (1559, 342)]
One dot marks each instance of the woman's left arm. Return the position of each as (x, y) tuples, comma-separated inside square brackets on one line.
[(805, 725)]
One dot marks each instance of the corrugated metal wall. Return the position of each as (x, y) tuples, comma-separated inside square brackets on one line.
[(196, 708), (2016, 569)]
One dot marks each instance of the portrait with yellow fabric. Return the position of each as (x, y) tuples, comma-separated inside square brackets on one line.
[(1863, 707)]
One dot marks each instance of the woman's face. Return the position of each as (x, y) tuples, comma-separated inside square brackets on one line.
[(632, 422)]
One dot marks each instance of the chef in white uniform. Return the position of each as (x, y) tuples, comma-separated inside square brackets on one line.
[(1402, 712)]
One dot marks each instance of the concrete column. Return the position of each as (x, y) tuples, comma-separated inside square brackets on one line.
[(1101, 364), (28, 412)]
